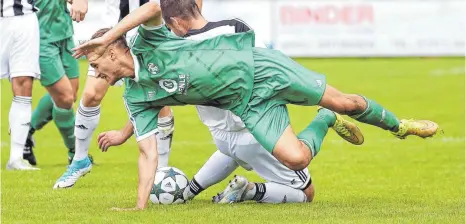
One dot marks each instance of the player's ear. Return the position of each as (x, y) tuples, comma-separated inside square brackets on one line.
[(112, 53), (174, 21)]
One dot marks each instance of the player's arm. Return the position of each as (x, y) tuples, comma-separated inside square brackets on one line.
[(147, 166), (115, 137), (148, 14)]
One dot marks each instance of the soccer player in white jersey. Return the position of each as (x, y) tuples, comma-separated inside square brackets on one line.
[(19, 62), (88, 113)]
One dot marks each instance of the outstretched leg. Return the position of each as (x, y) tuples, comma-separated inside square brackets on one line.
[(370, 112)]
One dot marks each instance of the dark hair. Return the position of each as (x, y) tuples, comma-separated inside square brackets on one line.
[(184, 9), (119, 42)]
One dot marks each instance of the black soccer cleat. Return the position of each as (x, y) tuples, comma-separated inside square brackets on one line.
[(28, 153)]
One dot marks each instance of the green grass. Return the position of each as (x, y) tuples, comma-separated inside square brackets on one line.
[(384, 181)]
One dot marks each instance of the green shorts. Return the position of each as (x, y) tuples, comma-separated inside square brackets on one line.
[(278, 80), (56, 60), (144, 118)]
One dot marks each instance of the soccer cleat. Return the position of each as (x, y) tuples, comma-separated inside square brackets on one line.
[(74, 171), (347, 130), (234, 192), (20, 165), (28, 153), (421, 128)]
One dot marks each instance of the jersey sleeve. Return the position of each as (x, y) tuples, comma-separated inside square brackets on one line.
[(155, 34)]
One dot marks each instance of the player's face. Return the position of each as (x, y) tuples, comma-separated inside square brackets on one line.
[(105, 67)]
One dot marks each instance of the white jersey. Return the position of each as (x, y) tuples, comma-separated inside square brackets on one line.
[(116, 10), (10, 8), (212, 117)]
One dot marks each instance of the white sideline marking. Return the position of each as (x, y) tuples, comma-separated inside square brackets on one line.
[(448, 71)]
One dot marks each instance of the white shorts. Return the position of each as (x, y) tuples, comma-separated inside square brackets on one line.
[(248, 153), (19, 46)]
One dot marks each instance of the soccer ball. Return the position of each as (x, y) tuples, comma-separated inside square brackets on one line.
[(169, 185)]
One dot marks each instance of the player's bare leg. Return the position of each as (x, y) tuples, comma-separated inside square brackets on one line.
[(19, 119), (369, 112), (296, 152)]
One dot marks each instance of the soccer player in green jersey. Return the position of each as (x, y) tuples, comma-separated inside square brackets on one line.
[(227, 72), (60, 74)]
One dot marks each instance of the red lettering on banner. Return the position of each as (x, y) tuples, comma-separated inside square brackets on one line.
[(327, 14)]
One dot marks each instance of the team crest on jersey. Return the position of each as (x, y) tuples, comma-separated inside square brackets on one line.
[(152, 68), (168, 85)]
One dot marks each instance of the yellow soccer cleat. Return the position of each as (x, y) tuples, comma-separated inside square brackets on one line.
[(348, 130), (421, 128)]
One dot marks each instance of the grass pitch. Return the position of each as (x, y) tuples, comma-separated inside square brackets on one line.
[(386, 180)]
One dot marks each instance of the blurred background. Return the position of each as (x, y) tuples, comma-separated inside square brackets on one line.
[(324, 28)]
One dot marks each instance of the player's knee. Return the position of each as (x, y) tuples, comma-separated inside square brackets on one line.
[(92, 97), (148, 153), (22, 86), (297, 160), (65, 101)]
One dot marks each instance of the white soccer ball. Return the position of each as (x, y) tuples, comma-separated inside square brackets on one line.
[(169, 185)]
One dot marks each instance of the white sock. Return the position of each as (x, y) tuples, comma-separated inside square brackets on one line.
[(275, 193), (164, 139), (87, 119), (20, 121), (218, 167)]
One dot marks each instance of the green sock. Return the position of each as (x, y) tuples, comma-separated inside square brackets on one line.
[(43, 113), (378, 116), (315, 133), (64, 119)]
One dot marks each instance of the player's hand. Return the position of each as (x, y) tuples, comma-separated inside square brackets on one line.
[(110, 138), (126, 209), (78, 10), (95, 46)]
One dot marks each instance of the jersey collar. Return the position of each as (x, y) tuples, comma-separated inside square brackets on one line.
[(136, 67)]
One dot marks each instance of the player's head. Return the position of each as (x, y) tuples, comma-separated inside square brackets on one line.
[(178, 14), (109, 65)]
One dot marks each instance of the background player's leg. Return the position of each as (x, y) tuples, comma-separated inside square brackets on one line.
[(63, 97), (19, 119), (218, 167), (166, 126), (19, 53), (42, 115)]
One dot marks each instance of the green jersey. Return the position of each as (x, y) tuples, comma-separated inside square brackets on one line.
[(54, 20), (174, 71)]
